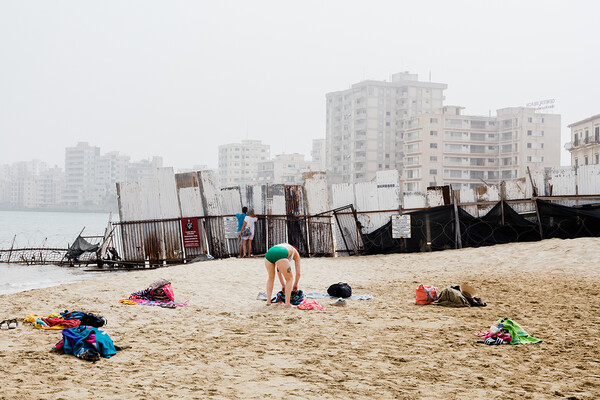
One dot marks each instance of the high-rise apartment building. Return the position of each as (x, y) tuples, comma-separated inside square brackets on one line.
[(319, 154), (238, 162), (285, 168), (447, 147), (80, 175), (364, 124), (585, 141)]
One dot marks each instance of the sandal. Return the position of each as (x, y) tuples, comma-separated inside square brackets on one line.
[(2, 323), (13, 323), (480, 334)]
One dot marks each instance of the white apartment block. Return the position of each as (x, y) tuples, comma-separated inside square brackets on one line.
[(238, 162), (80, 174), (447, 147), (585, 141), (364, 124), (319, 154), (285, 168), (31, 184)]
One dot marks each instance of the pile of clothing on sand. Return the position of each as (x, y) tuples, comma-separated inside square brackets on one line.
[(158, 293), (462, 295), (506, 331)]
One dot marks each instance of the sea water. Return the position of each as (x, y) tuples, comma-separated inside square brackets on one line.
[(25, 229)]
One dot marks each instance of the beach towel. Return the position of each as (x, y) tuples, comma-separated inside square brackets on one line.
[(310, 305), (518, 334), (315, 295), (51, 323), (165, 304), (449, 297)]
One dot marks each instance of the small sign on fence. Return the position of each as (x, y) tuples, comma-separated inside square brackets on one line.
[(231, 225), (190, 233), (401, 226)]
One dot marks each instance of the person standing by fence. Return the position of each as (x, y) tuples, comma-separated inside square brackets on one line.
[(247, 233), (278, 258), (240, 220)]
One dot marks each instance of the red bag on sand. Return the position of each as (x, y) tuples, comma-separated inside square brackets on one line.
[(426, 294)]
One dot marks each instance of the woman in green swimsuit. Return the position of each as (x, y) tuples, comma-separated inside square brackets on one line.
[(279, 258)]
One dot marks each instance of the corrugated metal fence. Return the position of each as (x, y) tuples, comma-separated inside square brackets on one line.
[(318, 220)]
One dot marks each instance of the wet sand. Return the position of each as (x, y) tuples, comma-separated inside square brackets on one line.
[(227, 345)]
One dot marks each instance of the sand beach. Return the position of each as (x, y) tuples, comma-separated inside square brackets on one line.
[(227, 345)]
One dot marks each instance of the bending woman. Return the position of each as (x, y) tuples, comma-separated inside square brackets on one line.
[(279, 258)]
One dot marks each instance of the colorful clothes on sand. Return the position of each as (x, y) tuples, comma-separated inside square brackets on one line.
[(81, 339), (143, 302), (51, 323), (310, 305), (518, 334)]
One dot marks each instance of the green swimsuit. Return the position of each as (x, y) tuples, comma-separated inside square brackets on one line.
[(277, 253)]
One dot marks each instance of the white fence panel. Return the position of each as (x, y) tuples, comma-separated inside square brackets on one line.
[(342, 194), (129, 199), (231, 200), (562, 180), (414, 200), (588, 178)]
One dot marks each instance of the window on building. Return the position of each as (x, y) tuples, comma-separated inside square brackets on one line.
[(387, 113), (433, 145), (529, 119), (528, 145), (597, 159), (434, 121), (585, 160), (433, 171), (432, 133), (434, 158), (576, 162), (529, 133)]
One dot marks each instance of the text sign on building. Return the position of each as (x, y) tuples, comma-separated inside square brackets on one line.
[(401, 226), (231, 225), (190, 233), (542, 105)]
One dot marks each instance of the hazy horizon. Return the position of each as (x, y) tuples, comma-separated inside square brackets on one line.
[(177, 79)]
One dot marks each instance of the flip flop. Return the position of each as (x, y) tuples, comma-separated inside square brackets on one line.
[(2, 323), (13, 323), (480, 334), (168, 305)]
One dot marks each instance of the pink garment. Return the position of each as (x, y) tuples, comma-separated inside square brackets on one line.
[(310, 305), (503, 336)]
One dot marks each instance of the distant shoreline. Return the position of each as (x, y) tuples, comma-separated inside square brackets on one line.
[(59, 209)]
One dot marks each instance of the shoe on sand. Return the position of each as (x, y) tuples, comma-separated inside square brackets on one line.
[(12, 324), (261, 296), (4, 324), (339, 302)]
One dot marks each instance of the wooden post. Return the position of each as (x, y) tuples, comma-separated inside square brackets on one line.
[(457, 229), (11, 249), (533, 188), (537, 213)]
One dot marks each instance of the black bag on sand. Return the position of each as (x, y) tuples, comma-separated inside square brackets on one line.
[(340, 289), (93, 320)]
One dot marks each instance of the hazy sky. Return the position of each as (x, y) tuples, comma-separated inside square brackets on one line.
[(179, 78)]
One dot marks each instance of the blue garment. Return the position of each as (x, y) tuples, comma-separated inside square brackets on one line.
[(240, 218), (74, 341), (73, 314)]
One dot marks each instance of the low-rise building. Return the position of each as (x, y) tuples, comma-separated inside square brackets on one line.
[(585, 141)]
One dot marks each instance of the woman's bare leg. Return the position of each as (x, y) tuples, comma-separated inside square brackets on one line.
[(270, 280), (249, 247), (284, 267)]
